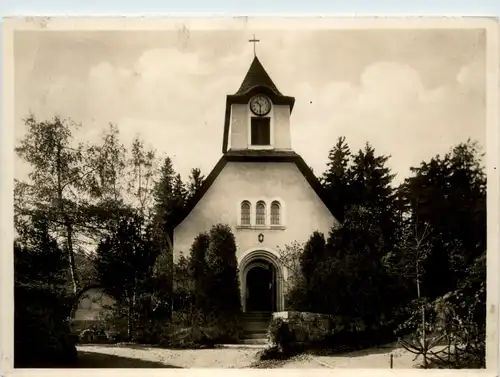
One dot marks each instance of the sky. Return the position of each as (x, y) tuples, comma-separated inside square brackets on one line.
[(411, 93)]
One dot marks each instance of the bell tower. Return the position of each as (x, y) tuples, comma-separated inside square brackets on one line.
[(258, 115)]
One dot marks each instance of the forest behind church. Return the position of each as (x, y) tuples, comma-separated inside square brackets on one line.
[(406, 260)]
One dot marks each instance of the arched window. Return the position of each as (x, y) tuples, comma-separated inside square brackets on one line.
[(275, 213), (245, 213), (260, 218)]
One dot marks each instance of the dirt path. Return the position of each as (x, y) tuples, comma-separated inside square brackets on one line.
[(372, 358), (94, 356), (136, 356)]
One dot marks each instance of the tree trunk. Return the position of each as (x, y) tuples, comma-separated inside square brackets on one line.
[(171, 266), (450, 334), (129, 320), (71, 256), (67, 223), (424, 340)]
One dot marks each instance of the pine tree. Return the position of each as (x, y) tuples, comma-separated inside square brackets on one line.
[(179, 194), (336, 179), (163, 192), (195, 182), (166, 212), (371, 188)]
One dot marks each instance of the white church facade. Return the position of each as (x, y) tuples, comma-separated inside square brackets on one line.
[(261, 188)]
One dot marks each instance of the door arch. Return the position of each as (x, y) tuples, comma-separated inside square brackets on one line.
[(261, 281)]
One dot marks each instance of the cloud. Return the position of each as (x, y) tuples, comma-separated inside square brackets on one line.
[(391, 108), (176, 100), (472, 77)]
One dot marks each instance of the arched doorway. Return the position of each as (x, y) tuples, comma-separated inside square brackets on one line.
[(261, 281), (261, 287)]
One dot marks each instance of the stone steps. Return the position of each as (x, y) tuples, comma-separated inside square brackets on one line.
[(254, 341), (255, 326), (244, 346), (255, 335)]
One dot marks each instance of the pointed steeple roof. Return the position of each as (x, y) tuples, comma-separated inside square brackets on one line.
[(256, 81), (255, 77)]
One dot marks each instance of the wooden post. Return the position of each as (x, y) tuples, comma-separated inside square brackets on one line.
[(392, 360)]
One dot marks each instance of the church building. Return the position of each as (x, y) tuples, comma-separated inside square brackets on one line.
[(261, 188)]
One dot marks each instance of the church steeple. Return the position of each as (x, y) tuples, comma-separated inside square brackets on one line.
[(258, 114), (257, 77)]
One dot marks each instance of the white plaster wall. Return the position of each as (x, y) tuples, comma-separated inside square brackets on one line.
[(282, 138), (240, 127), (304, 211)]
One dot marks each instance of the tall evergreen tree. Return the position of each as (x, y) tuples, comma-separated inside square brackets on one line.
[(313, 254), (311, 260), (449, 193), (200, 272), (165, 214), (224, 286), (169, 196), (371, 188), (179, 193), (195, 182), (336, 179), (354, 273)]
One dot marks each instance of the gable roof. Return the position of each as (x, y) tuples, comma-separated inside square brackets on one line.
[(248, 155), (256, 81)]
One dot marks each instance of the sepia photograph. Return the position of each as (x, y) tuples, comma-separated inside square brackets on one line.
[(252, 194)]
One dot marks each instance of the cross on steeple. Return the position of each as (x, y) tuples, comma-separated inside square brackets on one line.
[(254, 41)]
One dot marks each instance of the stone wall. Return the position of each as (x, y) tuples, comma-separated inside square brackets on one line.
[(307, 327)]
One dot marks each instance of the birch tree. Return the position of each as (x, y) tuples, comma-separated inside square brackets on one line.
[(54, 182)]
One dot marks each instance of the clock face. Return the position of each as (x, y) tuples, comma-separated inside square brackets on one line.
[(260, 105)]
